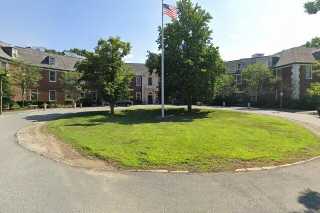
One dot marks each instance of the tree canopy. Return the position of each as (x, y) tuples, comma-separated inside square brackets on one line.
[(315, 42), (192, 62), (225, 86), (25, 76), (312, 7), (5, 85), (72, 86), (105, 71), (258, 79)]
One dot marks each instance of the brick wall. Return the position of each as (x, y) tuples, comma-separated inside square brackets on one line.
[(45, 85)]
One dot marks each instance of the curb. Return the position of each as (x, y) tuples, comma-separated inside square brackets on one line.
[(265, 168), (241, 170)]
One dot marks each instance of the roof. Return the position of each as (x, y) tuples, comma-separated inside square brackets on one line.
[(3, 54), (62, 62), (138, 67), (296, 55), (38, 58)]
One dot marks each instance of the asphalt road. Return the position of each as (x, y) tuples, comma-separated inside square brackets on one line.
[(31, 183)]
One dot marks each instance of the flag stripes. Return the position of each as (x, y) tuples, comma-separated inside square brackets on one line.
[(170, 11)]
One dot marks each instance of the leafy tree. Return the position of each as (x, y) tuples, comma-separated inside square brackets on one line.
[(258, 78), (153, 62), (77, 51), (225, 86), (105, 71), (192, 62), (314, 89), (312, 7), (25, 76), (52, 51), (5, 85), (315, 42), (71, 85)]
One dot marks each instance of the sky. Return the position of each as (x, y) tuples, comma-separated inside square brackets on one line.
[(240, 28)]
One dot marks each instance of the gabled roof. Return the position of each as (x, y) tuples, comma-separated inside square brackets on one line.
[(296, 55), (39, 58), (138, 67)]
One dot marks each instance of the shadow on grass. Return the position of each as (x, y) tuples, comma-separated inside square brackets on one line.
[(139, 116)]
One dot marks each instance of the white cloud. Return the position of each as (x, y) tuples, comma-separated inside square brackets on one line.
[(265, 27), (129, 58)]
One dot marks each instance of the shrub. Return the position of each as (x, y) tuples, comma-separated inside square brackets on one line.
[(14, 106)]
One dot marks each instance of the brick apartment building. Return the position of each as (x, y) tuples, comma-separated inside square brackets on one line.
[(293, 67), (52, 66)]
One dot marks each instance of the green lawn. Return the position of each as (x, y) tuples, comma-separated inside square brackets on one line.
[(206, 140)]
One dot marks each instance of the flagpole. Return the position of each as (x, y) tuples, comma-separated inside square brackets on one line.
[(162, 66)]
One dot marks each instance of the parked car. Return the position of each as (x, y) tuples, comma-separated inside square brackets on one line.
[(124, 103)]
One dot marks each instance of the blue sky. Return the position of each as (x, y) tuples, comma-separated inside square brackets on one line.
[(240, 27)]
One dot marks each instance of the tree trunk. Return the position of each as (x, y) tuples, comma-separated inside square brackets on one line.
[(112, 108), (189, 102)]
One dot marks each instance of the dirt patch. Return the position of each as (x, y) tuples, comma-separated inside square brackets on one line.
[(35, 138)]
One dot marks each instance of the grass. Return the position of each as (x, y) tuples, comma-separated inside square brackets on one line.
[(206, 140)]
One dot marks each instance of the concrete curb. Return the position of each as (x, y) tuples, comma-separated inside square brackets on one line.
[(241, 170), (275, 167)]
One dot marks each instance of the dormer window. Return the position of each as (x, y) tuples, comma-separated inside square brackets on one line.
[(14, 53), (11, 51), (52, 60)]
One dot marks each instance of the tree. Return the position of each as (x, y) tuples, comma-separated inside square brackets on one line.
[(105, 70), (192, 62), (312, 7), (315, 42), (52, 51), (314, 89), (4, 88), (225, 86), (72, 87), (77, 51), (25, 76), (153, 62), (258, 78)]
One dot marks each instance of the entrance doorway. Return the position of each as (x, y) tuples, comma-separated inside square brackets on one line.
[(150, 99)]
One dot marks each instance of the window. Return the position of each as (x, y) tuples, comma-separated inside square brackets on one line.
[(14, 53), (308, 72), (52, 95), (52, 60), (138, 80), (238, 79), (150, 81), (52, 76), (138, 96), (34, 95), (3, 65), (239, 68)]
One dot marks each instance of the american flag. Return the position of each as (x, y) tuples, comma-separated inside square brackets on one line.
[(170, 11)]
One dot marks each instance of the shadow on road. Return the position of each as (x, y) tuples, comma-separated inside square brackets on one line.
[(49, 117), (310, 200)]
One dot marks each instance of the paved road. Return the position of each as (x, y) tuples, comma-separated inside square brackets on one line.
[(31, 183)]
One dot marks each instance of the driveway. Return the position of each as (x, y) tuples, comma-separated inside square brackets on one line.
[(31, 183)]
